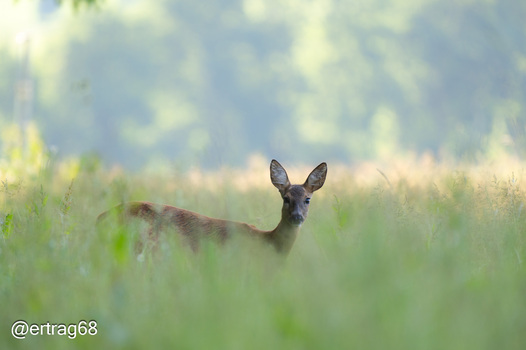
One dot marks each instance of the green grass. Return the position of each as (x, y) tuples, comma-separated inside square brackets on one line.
[(431, 263)]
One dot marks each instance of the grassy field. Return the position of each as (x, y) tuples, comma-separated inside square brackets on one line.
[(417, 256)]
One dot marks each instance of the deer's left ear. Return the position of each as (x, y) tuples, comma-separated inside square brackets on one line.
[(316, 178)]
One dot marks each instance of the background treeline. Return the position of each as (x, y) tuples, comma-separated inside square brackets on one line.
[(145, 82)]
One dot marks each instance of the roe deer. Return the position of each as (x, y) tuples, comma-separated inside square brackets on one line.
[(193, 226)]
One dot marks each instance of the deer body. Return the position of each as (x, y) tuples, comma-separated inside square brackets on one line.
[(194, 226)]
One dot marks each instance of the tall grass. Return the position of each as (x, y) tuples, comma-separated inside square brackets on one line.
[(419, 257)]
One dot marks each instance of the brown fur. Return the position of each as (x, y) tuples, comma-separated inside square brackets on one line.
[(194, 226)]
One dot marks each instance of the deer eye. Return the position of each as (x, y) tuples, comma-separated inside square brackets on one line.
[(307, 200), (286, 200)]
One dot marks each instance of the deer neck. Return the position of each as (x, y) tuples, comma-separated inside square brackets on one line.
[(283, 236)]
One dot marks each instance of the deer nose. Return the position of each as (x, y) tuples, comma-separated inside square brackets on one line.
[(296, 219)]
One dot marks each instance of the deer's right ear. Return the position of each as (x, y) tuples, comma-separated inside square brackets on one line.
[(279, 176)]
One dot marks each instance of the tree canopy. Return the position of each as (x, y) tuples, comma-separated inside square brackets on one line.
[(212, 83)]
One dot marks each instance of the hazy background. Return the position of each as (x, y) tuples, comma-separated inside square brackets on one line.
[(210, 83)]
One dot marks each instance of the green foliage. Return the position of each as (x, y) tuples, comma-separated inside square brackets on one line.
[(22, 152), (38, 205), (424, 261), (77, 4), (173, 80), (67, 200), (7, 225)]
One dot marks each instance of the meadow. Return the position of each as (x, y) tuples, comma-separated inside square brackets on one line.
[(415, 255)]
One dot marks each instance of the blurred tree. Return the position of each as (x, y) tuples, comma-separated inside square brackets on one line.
[(154, 81), (472, 49), (76, 4)]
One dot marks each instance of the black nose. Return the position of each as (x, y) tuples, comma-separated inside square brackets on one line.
[(296, 219)]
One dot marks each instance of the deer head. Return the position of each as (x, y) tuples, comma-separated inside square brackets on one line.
[(296, 198)]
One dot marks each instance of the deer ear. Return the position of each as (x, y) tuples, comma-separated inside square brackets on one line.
[(316, 178), (279, 176)]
